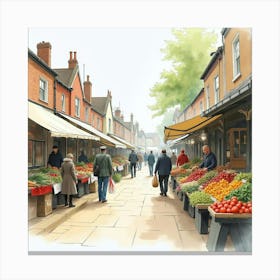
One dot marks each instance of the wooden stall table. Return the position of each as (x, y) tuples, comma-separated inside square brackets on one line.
[(238, 226), (202, 218)]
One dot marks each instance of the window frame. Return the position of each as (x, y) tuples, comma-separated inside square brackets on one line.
[(235, 73), (63, 102), (46, 90), (77, 110), (217, 90)]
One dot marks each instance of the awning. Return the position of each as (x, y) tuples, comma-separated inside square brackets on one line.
[(128, 145), (104, 139), (180, 129), (56, 125)]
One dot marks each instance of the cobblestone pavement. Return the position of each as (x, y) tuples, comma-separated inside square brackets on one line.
[(135, 218)]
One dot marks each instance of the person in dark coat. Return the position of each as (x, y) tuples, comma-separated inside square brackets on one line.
[(209, 159), (133, 161), (69, 179), (83, 157), (145, 158), (55, 158), (163, 167), (151, 162)]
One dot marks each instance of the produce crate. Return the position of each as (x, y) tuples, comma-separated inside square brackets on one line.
[(42, 190), (237, 226), (186, 202), (191, 210), (44, 205), (202, 218), (92, 187)]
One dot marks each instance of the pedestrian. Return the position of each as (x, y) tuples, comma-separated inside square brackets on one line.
[(209, 159), (140, 160), (163, 167), (145, 158), (82, 157), (173, 158), (182, 158), (104, 163), (55, 158), (69, 179), (151, 161), (133, 161)]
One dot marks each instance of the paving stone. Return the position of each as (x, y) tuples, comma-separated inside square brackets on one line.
[(106, 221), (75, 235)]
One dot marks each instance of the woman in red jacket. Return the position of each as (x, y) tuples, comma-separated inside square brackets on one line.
[(182, 158)]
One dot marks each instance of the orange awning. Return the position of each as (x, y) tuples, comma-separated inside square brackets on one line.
[(180, 129)]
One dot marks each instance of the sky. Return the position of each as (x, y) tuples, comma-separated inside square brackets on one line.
[(126, 61)]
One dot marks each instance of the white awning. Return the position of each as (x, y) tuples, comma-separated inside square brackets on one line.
[(57, 126), (178, 140), (105, 139), (130, 146)]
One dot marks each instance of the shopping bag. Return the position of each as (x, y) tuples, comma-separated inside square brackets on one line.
[(111, 185), (155, 182)]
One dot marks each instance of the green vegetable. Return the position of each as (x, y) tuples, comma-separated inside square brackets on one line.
[(244, 176), (244, 193), (207, 177), (190, 187), (200, 198), (186, 165), (40, 178), (117, 177), (195, 161)]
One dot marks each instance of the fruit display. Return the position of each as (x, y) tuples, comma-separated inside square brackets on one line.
[(177, 171), (40, 179), (228, 176), (233, 205), (222, 188), (119, 160), (207, 177), (200, 198), (244, 193), (194, 176), (190, 187), (244, 176)]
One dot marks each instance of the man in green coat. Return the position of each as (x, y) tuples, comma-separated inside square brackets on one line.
[(104, 162)]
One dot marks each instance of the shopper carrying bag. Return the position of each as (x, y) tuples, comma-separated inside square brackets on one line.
[(155, 181)]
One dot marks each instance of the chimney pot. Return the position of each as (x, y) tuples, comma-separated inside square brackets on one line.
[(75, 58), (44, 52), (87, 78)]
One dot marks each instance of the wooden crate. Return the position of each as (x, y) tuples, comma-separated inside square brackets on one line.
[(44, 205)]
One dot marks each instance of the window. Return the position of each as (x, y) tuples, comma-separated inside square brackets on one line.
[(86, 114), (63, 102), (201, 107), (110, 125), (43, 84), (216, 89), (207, 97), (77, 107), (36, 153), (236, 57)]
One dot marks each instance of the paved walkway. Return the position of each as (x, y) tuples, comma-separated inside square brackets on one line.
[(135, 218)]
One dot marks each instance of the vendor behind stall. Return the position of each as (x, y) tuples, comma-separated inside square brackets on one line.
[(83, 157), (55, 158), (209, 159)]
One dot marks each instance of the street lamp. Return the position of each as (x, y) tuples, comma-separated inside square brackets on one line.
[(192, 141), (203, 136)]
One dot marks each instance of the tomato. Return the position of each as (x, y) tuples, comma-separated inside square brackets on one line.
[(239, 205), (226, 205), (244, 204), (229, 210), (223, 210), (232, 203), (220, 206), (249, 204), (246, 210), (250, 209), (234, 197), (241, 211), (243, 207), (217, 210), (234, 209)]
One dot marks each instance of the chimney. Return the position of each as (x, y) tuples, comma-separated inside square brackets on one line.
[(44, 52), (118, 113), (88, 89), (72, 62), (131, 118)]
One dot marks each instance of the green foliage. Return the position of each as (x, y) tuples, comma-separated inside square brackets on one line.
[(195, 161), (244, 193), (190, 187), (244, 176), (189, 54), (167, 120), (117, 177), (200, 198)]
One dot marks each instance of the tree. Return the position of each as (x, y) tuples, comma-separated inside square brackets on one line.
[(189, 54)]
